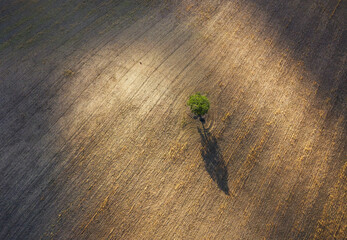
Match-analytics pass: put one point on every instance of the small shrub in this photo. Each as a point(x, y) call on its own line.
point(68, 73)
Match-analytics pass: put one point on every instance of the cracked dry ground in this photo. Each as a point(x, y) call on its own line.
point(96, 141)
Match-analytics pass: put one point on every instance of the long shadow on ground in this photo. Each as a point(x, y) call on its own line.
point(213, 159)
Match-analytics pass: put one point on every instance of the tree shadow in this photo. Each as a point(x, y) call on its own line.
point(213, 159)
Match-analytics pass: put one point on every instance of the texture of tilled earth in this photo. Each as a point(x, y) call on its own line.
point(96, 140)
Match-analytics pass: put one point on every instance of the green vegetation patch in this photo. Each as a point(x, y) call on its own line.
point(199, 104)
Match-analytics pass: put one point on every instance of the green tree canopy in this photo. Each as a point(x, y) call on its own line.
point(198, 104)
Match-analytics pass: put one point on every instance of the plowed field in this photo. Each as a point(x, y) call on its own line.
point(96, 140)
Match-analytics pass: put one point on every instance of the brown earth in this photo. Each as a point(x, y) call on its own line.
point(96, 141)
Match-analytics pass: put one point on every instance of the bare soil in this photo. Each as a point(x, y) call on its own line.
point(97, 142)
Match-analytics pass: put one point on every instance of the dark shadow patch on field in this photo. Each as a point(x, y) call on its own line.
point(213, 159)
point(315, 34)
point(36, 168)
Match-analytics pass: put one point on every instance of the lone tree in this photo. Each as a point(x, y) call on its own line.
point(198, 104)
